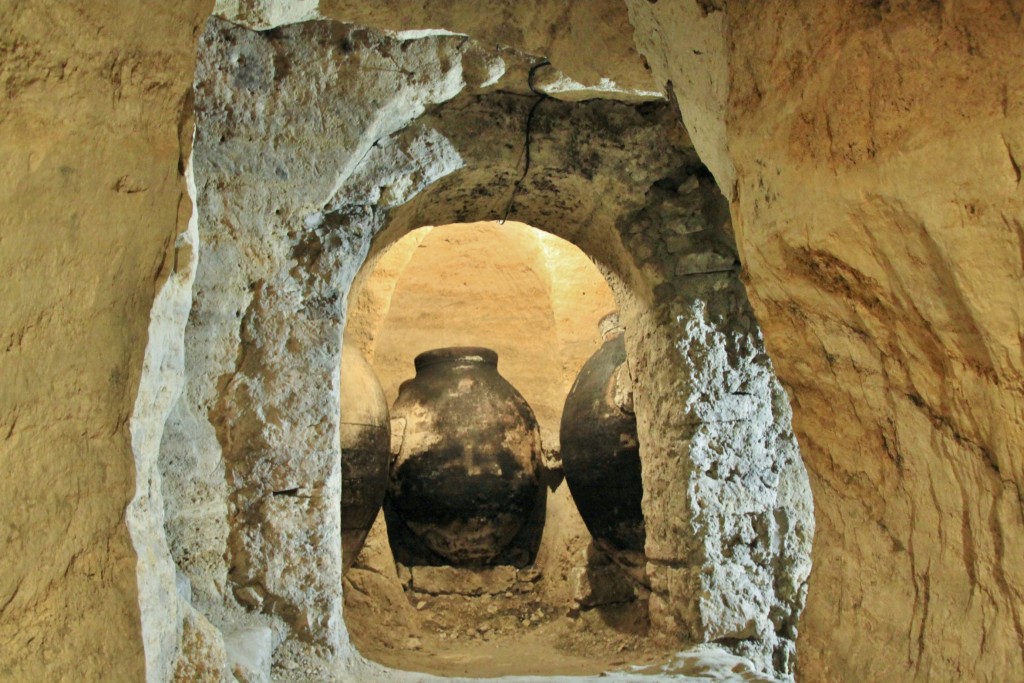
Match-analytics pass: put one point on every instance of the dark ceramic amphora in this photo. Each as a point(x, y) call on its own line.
point(464, 479)
point(365, 451)
point(600, 449)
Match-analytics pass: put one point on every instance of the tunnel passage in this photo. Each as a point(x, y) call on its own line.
point(314, 152)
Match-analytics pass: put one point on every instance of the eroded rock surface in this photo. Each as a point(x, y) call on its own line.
point(94, 135)
point(588, 42)
point(875, 151)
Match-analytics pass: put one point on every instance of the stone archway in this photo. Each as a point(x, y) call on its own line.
point(912, 441)
point(291, 197)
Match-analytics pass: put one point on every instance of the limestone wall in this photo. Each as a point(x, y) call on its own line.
point(94, 131)
point(588, 41)
point(875, 153)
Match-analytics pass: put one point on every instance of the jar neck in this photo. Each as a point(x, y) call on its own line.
point(457, 355)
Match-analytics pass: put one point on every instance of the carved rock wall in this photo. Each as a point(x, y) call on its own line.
point(588, 41)
point(94, 133)
point(875, 152)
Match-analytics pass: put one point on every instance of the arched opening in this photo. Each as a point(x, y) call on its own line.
point(552, 601)
point(293, 198)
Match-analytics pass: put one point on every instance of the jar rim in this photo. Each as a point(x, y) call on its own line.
point(457, 354)
point(609, 326)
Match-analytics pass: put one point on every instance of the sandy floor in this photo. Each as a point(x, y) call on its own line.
point(508, 634)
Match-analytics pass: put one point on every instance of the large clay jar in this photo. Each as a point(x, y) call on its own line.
point(600, 449)
point(464, 478)
point(365, 451)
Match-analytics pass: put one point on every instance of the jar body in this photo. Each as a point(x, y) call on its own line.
point(365, 451)
point(464, 479)
point(601, 451)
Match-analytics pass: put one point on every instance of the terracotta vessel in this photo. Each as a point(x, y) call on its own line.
point(464, 479)
point(365, 451)
point(600, 449)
